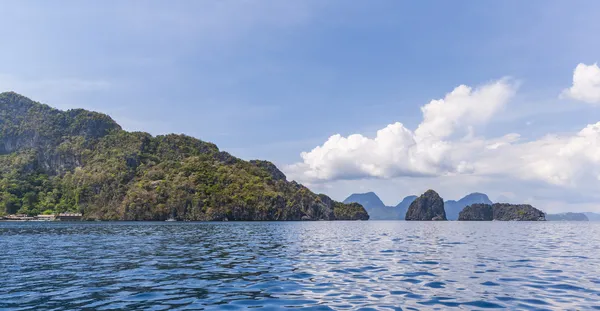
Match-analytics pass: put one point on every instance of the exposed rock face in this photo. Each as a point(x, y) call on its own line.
point(501, 212)
point(453, 208)
point(429, 206)
point(567, 217)
point(521, 212)
point(478, 212)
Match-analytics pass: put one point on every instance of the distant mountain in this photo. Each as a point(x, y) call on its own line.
point(592, 216)
point(453, 208)
point(368, 200)
point(374, 206)
point(378, 210)
point(403, 206)
point(567, 217)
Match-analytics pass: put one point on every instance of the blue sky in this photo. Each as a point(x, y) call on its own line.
point(272, 79)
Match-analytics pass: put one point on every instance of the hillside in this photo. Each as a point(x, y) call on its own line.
point(80, 161)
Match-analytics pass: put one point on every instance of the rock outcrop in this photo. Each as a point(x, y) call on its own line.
point(477, 212)
point(429, 206)
point(501, 212)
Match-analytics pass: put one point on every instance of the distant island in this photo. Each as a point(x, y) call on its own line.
point(430, 206)
point(567, 217)
point(379, 211)
point(54, 162)
point(502, 212)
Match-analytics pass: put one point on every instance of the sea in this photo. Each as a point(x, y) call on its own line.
point(355, 265)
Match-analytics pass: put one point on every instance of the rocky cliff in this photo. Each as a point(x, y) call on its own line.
point(501, 212)
point(81, 161)
point(429, 206)
point(477, 212)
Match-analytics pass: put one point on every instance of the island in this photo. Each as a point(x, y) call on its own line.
point(54, 162)
point(501, 212)
point(429, 206)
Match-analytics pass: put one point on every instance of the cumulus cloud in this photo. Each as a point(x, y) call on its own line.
point(444, 144)
point(586, 84)
point(445, 148)
point(398, 151)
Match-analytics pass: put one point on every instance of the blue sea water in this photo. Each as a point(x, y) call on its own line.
point(374, 265)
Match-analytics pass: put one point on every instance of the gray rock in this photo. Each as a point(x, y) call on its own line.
point(501, 212)
point(477, 212)
point(429, 206)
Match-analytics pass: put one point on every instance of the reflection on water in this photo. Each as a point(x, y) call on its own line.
point(314, 265)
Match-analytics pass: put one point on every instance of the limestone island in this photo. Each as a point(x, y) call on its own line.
point(81, 162)
point(429, 206)
point(501, 212)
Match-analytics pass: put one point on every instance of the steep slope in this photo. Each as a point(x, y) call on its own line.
point(453, 208)
point(55, 161)
point(429, 206)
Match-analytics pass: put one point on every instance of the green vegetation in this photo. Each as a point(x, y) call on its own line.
point(53, 161)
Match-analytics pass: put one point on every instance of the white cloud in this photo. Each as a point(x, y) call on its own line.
point(586, 84)
point(445, 144)
point(398, 151)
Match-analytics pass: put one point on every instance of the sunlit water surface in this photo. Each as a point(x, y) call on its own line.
point(374, 265)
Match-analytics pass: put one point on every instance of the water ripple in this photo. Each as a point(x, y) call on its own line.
point(373, 265)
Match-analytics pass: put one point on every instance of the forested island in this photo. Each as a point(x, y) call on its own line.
point(79, 161)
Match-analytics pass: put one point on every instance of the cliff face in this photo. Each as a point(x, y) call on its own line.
point(429, 206)
point(82, 161)
point(478, 212)
point(501, 212)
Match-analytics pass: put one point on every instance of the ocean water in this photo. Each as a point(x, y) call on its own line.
point(373, 265)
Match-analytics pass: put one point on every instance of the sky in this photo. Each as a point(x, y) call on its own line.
point(394, 97)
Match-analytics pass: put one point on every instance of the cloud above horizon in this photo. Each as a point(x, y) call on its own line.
point(586, 84)
point(445, 143)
